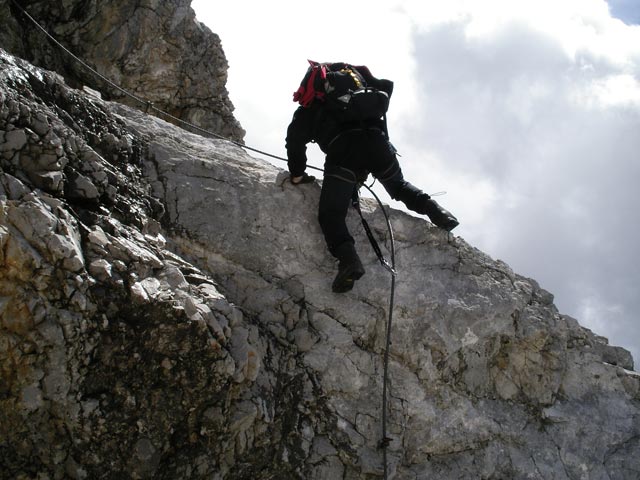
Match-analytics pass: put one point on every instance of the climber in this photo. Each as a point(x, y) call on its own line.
point(354, 144)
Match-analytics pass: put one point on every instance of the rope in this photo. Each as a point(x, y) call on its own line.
point(384, 442)
point(81, 62)
point(149, 106)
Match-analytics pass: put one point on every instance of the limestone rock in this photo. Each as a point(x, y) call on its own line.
point(155, 49)
point(177, 324)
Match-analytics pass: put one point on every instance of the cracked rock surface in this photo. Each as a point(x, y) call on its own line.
point(163, 315)
point(155, 49)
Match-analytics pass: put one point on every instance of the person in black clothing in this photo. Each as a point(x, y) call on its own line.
point(352, 152)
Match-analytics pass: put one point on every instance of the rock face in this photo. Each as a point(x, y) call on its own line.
point(155, 49)
point(162, 316)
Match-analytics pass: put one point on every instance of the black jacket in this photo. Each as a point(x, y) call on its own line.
point(319, 124)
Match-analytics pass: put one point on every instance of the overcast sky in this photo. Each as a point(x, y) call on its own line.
point(527, 113)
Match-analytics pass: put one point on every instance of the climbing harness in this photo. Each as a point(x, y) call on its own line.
point(390, 266)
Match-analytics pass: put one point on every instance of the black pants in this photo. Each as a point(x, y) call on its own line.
point(349, 161)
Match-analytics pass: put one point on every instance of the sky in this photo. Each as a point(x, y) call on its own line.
point(526, 113)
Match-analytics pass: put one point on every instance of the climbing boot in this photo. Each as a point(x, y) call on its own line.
point(350, 268)
point(439, 216)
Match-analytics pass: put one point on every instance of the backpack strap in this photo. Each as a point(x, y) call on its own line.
point(311, 85)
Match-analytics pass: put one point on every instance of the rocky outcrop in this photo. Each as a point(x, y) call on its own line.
point(165, 313)
point(154, 49)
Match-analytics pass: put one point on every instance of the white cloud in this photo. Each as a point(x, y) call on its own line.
point(620, 89)
point(527, 113)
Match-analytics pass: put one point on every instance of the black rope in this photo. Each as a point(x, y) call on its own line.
point(149, 106)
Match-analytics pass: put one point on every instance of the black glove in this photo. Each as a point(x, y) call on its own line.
point(305, 179)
